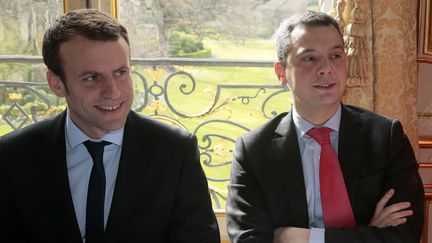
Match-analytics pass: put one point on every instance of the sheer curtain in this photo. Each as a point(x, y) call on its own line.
point(327, 5)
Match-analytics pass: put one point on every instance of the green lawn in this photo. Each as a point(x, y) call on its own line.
point(252, 50)
point(5, 129)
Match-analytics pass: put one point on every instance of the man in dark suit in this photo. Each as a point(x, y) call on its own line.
point(275, 192)
point(153, 187)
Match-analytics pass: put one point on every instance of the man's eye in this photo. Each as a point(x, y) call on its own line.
point(336, 56)
point(92, 77)
point(309, 59)
point(120, 73)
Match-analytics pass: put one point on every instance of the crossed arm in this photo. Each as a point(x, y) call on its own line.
point(393, 215)
point(249, 218)
point(258, 204)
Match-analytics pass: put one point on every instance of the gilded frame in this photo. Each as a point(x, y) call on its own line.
point(108, 6)
point(425, 31)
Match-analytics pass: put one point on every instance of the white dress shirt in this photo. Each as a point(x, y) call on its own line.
point(79, 165)
point(310, 155)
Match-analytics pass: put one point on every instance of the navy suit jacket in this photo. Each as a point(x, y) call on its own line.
point(267, 188)
point(161, 192)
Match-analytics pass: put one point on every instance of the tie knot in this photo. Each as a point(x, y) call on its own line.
point(320, 134)
point(95, 148)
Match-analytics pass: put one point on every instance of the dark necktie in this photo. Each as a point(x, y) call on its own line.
point(336, 206)
point(96, 194)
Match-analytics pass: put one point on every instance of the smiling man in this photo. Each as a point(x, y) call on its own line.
point(99, 172)
point(325, 171)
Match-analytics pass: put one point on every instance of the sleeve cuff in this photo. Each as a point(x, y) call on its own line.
point(316, 235)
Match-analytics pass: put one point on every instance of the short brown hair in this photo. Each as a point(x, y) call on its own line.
point(88, 23)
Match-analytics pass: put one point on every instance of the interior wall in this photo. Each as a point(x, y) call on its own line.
point(424, 109)
point(396, 76)
point(390, 39)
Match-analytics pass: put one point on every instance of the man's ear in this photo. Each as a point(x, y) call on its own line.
point(280, 73)
point(56, 84)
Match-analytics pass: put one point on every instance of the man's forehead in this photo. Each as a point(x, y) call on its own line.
point(302, 29)
point(327, 34)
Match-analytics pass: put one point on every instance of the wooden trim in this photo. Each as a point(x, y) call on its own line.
point(424, 30)
point(428, 191)
point(424, 115)
point(427, 205)
point(423, 60)
point(221, 218)
point(425, 142)
point(427, 166)
point(425, 234)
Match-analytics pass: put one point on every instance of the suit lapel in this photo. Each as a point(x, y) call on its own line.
point(286, 152)
point(129, 177)
point(288, 165)
point(60, 202)
point(351, 137)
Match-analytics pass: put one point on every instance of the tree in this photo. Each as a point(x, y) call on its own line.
point(151, 21)
point(23, 23)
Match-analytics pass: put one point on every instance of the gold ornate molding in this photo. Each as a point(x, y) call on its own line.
point(356, 47)
point(354, 19)
point(381, 65)
point(338, 14)
point(425, 31)
point(107, 6)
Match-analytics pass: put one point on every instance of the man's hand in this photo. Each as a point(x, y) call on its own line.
point(291, 235)
point(392, 215)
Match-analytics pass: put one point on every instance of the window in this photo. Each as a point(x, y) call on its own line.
point(203, 65)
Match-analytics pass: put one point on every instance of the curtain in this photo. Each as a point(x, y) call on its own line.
point(380, 38)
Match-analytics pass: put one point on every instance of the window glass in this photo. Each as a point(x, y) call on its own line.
point(202, 65)
point(23, 22)
point(203, 28)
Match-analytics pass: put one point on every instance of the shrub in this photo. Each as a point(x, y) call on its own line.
point(182, 44)
point(198, 54)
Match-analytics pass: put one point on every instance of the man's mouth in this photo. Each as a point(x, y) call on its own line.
point(324, 86)
point(108, 107)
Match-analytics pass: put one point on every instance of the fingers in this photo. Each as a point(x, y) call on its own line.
point(394, 218)
point(392, 215)
point(384, 200)
point(394, 211)
point(397, 222)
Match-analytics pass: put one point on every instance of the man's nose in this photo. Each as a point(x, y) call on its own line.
point(110, 88)
point(325, 66)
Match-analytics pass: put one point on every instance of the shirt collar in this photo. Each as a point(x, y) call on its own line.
point(302, 126)
point(75, 137)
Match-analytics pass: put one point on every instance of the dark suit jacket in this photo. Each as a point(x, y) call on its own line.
point(161, 192)
point(267, 188)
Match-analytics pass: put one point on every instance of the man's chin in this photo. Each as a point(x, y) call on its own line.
point(110, 126)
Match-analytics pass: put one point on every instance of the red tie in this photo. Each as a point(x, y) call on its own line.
point(335, 203)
